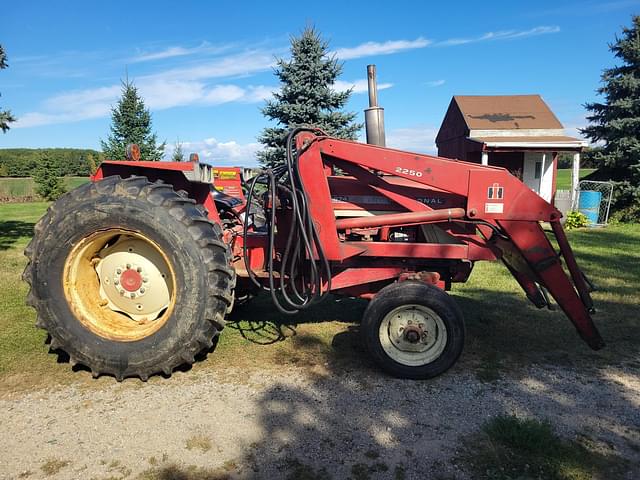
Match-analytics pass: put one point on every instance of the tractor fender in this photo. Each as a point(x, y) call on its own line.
point(194, 178)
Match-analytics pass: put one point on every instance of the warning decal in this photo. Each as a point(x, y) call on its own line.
point(493, 207)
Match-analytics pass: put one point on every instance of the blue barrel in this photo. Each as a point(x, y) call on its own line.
point(589, 204)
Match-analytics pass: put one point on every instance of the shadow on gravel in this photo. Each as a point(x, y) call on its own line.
point(12, 230)
point(357, 423)
point(260, 322)
point(349, 420)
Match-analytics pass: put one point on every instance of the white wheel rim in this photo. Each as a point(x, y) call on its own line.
point(119, 284)
point(413, 335)
point(144, 299)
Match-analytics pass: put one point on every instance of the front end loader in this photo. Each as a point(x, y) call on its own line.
point(133, 274)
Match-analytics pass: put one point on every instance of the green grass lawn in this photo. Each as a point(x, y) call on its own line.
point(563, 180)
point(17, 189)
point(503, 330)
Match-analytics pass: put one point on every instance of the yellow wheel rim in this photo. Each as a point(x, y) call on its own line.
point(119, 284)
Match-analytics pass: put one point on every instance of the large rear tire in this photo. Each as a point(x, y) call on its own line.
point(129, 277)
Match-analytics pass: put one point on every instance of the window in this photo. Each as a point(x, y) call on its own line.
point(538, 170)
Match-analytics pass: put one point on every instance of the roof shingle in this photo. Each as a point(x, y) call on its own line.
point(506, 112)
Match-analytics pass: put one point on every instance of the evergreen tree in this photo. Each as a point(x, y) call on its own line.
point(49, 184)
point(5, 115)
point(131, 123)
point(178, 154)
point(306, 97)
point(616, 121)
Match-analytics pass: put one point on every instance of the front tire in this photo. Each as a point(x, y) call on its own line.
point(128, 277)
point(413, 330)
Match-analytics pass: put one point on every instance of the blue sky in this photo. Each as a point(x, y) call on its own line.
point(205, 68)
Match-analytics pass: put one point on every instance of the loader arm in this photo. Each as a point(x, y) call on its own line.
point(506, 211)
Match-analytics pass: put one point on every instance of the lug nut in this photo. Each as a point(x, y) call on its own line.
point(139, 269)
point(128, 266)
point(142, 290)
point(118, 271)
point(133, 295)
point(145, 280)
point(116, 282)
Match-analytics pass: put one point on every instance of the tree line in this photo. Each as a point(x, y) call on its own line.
point(23, 162)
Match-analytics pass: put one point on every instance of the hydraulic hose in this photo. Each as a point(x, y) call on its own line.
point(301, 277)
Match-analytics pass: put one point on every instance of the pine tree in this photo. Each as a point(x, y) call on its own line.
point(616, 121)
point(178, 154)
point(306, 97)
point(5, 115)
point(131, 123)
point(49, 184)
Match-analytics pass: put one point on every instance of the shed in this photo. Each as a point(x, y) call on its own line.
point(517, 132)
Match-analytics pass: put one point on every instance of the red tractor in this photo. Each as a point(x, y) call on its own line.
point(133, 273)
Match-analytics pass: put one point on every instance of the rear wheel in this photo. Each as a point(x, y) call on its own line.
point(413, 330)
point(129, 277)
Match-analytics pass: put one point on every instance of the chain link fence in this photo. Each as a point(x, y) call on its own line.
point(594, 200)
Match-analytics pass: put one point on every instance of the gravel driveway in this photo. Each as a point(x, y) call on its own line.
point(295, 422)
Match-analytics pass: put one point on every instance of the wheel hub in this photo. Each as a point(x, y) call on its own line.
point(133, 279)
point(413, 334)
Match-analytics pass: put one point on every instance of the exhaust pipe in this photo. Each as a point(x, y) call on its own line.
point(374, 115)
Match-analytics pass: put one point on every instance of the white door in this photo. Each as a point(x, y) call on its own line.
point(537, 173)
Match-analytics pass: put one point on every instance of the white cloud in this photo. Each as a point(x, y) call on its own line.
point(72, 107)
point(191, 85)
point(258, 93)
point(230, 153)
point(167, 53)
point(162, 94)
point(359, 86)
point(501, 35)
point(435, 83)
point(418, 138)
point(369, 49)
point(176, 51)
point(78, 98)
point(245, 63)
point(158, 94)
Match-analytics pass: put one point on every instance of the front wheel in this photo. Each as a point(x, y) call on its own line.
point(413, 330)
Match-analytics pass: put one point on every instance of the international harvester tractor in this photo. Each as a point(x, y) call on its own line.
point(133, 273)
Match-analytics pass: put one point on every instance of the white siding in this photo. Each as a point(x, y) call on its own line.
point(537, 173)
